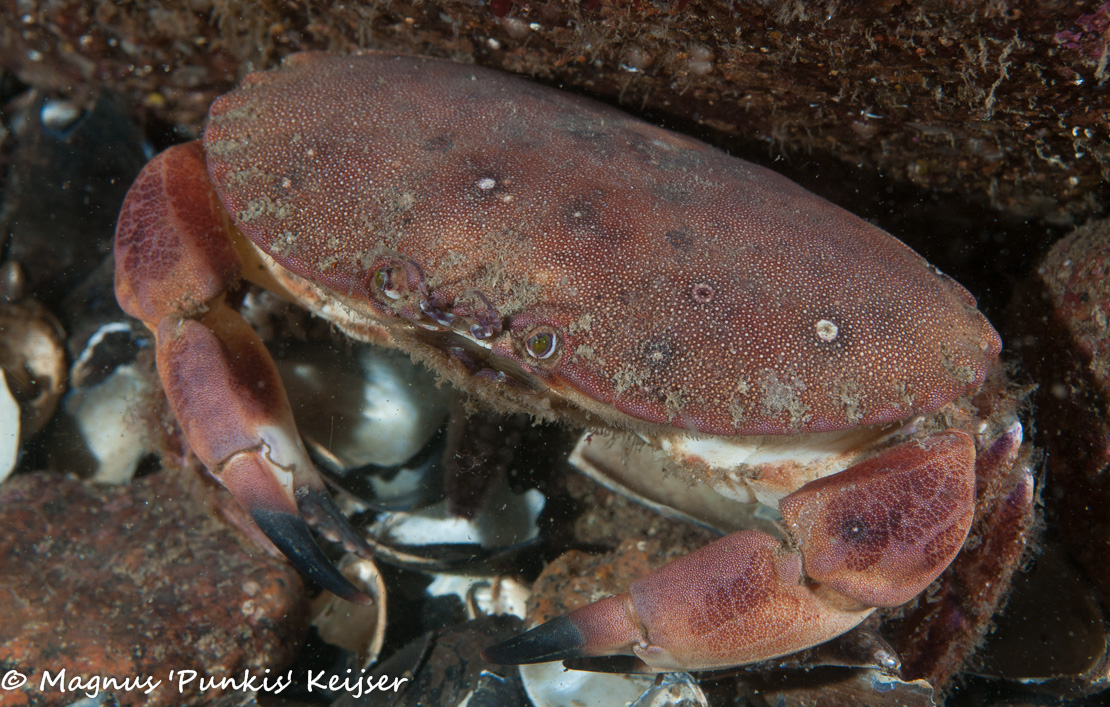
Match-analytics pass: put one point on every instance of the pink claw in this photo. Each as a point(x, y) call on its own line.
point(174, 262)
point(874, 535)
point(884, 529)
point(737, 600)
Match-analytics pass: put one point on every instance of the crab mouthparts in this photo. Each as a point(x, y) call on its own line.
point(479, 357)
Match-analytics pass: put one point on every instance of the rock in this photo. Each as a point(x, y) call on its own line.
point(133, 582)
point(1065, 342)
point(966, 103)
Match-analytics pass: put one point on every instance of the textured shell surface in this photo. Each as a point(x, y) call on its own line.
point(679, 285)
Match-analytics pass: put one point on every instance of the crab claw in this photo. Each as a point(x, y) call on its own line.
point(884, 529)
point(254, 487)
point(737, 600)
point(226, 393)
point(174, 261)
point(874, 535)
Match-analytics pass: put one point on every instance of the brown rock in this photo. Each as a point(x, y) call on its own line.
point(1003, 104)
point(636, 541)
point(1065, 337)
point(130, 583)
point(577, 578)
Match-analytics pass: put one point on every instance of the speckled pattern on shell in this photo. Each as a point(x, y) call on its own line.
point(688, 287)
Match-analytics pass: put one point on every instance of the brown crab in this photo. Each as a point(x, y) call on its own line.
point(551, 255)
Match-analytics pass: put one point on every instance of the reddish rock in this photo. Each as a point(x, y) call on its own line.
point(635, 541)
point(132, 582)
point(1064, 330)
point(577, 578)
point(1003, 104)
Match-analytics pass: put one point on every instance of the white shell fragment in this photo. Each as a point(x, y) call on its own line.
point(673, 690)
point(509, 519)
point(381, 409)
point(552, 685)
point(484, 596)
point(32, 354)
point(113, 429)
point(9, 429)
point(359, 629)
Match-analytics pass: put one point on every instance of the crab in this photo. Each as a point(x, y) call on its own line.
point(550, 255)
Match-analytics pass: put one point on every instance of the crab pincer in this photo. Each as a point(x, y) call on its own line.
point(874, 535)
point(174, 264)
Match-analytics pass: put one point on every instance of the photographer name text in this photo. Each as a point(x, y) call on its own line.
point(193, 681)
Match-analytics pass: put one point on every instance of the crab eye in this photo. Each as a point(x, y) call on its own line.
point(383, 282)
point(380, 279)
point(542, 344)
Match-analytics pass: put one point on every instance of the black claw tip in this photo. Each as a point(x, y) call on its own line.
point(557, 639)
point(320, 510)
point(291, 535)
point(619, 664)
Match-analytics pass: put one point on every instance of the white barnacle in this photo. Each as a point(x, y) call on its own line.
point(486, 183)
point(826, 330)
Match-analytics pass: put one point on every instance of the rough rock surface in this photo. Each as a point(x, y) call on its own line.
point(88, 569)
point(1001, 101)
point(1065, 342)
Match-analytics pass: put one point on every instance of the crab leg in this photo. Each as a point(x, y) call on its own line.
point(174, 262)
point(873, 535)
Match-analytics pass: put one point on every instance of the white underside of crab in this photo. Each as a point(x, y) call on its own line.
point(765, 468)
